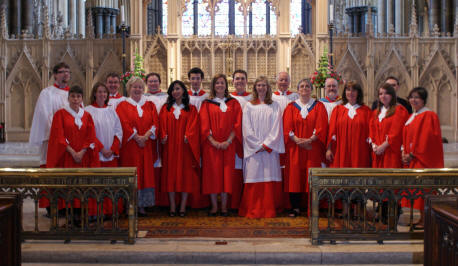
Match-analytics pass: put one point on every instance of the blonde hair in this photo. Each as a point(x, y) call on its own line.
point(132, 81)
point(268, 99)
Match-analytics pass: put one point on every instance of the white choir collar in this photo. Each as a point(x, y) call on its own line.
point(414, 114)
point(305, 107)
point(138, 104)
point(222, 103)
point(382, 114)
point(77, 116)
point(352, 109)
point(177, 110)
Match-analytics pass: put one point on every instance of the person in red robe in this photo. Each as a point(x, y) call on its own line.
point(108, 131)
point(305, 129)
point(386, 125)
point(422, 142)
point(73, 142)
point(179, 135)
point(220, 122)
point(239, 80)
point(349, 129)
point(139, 121)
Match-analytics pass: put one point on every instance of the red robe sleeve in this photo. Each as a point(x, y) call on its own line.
point(321, 124)
point(332, 125)
point(57, 144)
point(373, 126)
point(115, 145)
point(394, 135)
point(162, 123)
point(192, 133)
point(92, 144)
point(204, 122)
point(427, 146)
point(288, 123)
point(238, 128)
point(126, 123)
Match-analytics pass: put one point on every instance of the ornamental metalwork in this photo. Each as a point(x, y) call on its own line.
point(362, 193)
point(69, 184)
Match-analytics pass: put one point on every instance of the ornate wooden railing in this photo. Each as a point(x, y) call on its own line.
point(67, 184)
point(361, 193)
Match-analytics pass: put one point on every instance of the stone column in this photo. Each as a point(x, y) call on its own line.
point(81, 18)
point(107, 20)
point(27, 15)
point(434, 13)
point(98, 12)
point(389, 14)
point(381, 10)
point(445, 16)
point(73, 16)
point(231, 17)
point(398, 17)
point(63, 8)
point(15, 11)
point(113, 14)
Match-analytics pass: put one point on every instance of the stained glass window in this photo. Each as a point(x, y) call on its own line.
point(239, 20)
point(222, 18)
point(295, 18)
point(204, 20)
point(187, 20)
point(164, 17)
point(259, 18)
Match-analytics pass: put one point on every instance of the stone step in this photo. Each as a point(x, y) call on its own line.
point(222, 251)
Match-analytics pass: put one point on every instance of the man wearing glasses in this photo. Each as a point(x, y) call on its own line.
point(50, 100)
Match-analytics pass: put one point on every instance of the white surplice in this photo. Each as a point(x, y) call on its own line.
point(262, 125)
point(284, 100)
point(159, 99)
point(243, 100)
point(50, 100)
point(197, 100)
point(330, 106)
point(107, 127)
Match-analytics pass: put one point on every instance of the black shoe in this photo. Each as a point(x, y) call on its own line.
point(142, 214)
point(172, 213)
point(225, 214)
point(182, 214)
point(212, 214)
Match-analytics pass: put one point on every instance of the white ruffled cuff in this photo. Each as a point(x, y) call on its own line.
point(133, 134)
point(153, 132)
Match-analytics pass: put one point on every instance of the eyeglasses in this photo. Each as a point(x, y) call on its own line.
point(64, 71)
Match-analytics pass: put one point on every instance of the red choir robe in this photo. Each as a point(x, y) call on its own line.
point(299, 160)
point(131, 154)
point(218, 166)
point(180, 171)
point(351, 137)
point(64, 132)
point(389, 128)
point(422, 137)
point(237, 182)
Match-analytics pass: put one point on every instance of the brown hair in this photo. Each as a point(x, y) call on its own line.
point(389, 90)
point(212, 88)
point(353, 85)
point(113, 75)
point(94, 91)
point(268, 99)
point(60, 65)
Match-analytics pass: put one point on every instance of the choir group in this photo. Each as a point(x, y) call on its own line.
point(251, 151)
